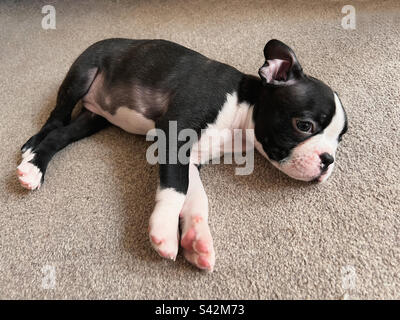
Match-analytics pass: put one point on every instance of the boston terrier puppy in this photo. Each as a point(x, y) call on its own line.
point(139, 85)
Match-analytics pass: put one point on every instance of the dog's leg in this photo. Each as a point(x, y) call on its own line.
point(75, 85)
point(196, 237)
point(34, 163)
point(164, 221)
point(171, 194)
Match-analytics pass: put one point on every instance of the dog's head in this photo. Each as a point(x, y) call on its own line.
point(299, 120)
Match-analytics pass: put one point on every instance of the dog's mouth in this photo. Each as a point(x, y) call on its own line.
point(317, 179)
point(322, 176)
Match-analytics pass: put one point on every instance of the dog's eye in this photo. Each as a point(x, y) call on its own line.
point(304, 126)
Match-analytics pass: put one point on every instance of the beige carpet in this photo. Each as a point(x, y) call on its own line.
point(275, 237)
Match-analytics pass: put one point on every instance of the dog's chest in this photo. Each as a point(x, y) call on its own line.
point(227, 134)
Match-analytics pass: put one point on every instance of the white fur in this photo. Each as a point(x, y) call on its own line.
point(218, 137)
point(164, 221)
point(28, 155)
point(196, 201)
point(29, 175)
point(194, 218)
point(125, 118)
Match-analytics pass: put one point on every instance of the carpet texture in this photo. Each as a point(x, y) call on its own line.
point(274, 237)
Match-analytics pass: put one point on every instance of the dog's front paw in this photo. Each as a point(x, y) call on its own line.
point(164, 222)
point(164, 236)
point(197, 242)
point(29, 175)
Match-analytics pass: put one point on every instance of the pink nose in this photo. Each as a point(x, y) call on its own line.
point(326, 160)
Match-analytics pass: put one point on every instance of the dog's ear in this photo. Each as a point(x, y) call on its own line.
point(281, 67)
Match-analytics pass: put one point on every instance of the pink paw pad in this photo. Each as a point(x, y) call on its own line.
point(203, 262)
point(156, 240)
point(197, 243)
point(190, 243)
point(201, 246)
point(188, 238)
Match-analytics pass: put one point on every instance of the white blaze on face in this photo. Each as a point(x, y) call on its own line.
point(304, 162)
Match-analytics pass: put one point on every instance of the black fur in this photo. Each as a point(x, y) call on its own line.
point(86, 124)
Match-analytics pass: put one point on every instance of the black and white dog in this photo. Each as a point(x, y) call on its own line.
point(139, 85)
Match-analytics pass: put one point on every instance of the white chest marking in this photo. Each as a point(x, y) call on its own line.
point(219, 137)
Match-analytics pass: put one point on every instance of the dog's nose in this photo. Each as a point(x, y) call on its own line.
point(326, 160)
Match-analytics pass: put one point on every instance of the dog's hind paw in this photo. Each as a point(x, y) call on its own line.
point(29, 175)
point(197, 243)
